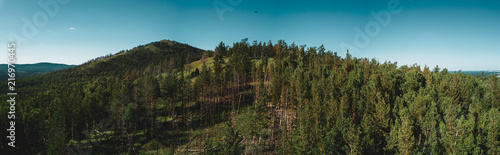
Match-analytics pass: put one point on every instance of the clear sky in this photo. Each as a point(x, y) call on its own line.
point(460, 34)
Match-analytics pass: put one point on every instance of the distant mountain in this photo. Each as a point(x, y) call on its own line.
point(27, 70)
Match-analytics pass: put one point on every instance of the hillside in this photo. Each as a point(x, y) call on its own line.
point(123, 62)
point(262, 98)
point(27, 70)
point(72, 81)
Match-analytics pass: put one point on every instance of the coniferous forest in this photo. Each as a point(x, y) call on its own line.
point(252, 97)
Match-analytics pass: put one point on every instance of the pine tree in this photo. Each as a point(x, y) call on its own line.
point(401, 139)
point(490, 131)
point(448, 128)
point(429, 126)
point(55, 128)
point(230, 139)
point(465, 135)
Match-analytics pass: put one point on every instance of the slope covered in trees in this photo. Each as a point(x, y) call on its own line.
point(258, 98)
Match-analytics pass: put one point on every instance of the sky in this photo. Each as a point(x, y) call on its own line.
point(458, 35)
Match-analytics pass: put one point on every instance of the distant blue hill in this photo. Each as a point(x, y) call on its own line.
point(27, 70)
point(486, 73)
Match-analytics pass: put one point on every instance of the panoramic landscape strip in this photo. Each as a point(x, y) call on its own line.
point(250, 77)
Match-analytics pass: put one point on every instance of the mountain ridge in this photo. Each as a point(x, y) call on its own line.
point(27, 70)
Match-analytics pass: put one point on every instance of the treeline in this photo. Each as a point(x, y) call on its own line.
point(331, 105)
point(256, 98)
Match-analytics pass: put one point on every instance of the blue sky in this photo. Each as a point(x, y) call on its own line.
point(462, 34)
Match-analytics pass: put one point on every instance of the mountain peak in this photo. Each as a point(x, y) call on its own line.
point(141, 56)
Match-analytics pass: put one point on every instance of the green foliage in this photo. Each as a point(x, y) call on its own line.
point(231, 139)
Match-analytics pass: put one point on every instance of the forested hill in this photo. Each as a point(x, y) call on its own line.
point(141, 56)
point(252, 98)
point(27, 70)
point(132, 61)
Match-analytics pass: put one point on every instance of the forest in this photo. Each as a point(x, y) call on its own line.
point(252, 97)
